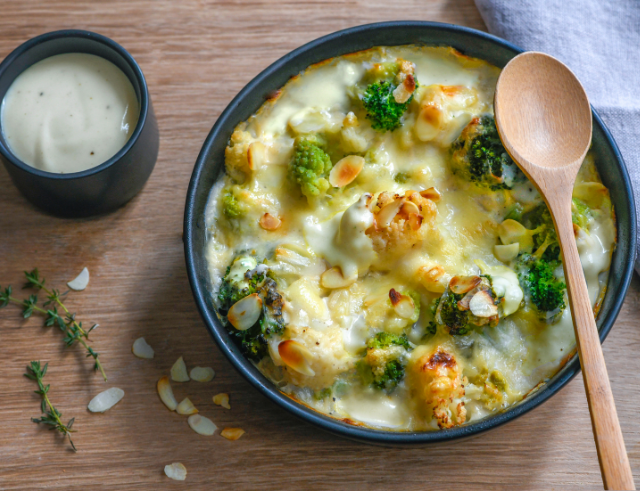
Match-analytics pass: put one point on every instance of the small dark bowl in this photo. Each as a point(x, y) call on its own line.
point(114, 182)
point(210, 166)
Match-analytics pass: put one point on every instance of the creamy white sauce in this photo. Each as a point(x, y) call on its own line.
point(69, 113)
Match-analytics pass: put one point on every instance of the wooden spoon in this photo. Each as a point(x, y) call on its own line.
point(544, 121)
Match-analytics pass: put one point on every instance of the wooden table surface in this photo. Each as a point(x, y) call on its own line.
point(197, 55)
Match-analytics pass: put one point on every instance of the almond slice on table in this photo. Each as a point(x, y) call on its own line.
point(222, 399)
point(202, 374)
point(81, 281)
point(176, 471)
point(186, 407)
point(201, 425)
point(232, 433)
point(141, 349)
point(166, 393)
point(179, 371)
point(106, 400)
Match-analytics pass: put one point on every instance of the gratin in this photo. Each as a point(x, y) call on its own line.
point(376, 253)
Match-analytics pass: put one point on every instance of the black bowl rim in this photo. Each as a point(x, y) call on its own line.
point(144, 100)
point(326, 422)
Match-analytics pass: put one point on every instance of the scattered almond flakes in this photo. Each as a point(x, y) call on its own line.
point(201, 425)
point(202, 374)
point(179, 371)
point(222, 399)
point(176, 471)
point(142, 349)
point(81, 282)
point(186, 407)
point(232, 433)
point(166, 393)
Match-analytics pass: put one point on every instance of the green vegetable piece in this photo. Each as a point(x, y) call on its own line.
point(382, 109)
point(310, 167)
point(537, 278)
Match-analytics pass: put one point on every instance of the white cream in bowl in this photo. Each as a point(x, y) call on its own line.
point(69, 113)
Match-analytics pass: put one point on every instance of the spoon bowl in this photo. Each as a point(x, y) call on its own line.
point(544, 120)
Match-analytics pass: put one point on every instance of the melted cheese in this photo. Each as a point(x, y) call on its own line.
point(496, 365)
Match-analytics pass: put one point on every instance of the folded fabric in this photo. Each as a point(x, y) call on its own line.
point(598, 40)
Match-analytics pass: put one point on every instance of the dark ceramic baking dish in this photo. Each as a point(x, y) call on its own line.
point(112, 183)
point(210, 166)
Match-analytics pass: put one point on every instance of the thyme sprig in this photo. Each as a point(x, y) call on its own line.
point(51, 416)
point(65, 320)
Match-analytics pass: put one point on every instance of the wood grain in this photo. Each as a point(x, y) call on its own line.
point(544, 119)
point(196, 56)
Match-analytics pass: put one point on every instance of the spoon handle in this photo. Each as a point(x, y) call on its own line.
point(612, 454)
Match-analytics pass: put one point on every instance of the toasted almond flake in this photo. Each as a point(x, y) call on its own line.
point(464, 284)
point(346, 170)
point(482, 305)
point(403, 92)
point(256, 155)
point(142, 349)
point(245, 313)
point(270, 222)
point(176, 471)
point(432, 193)
point(232, 433)
point(202, 374)
point(296, 356)
point(201, 425)
point(106, 400)
point(186, 407)
point(333, 278)
point(81, 281)
point(166, 393)
point(179, 371)
point(433, 278)
point(222, 399)
point(388, 212)
point(404, 305)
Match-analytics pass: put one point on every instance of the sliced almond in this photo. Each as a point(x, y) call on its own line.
point(403, 92)
point(296, 356)
point(201, 425)
point(179, 371)
point(404, 305)
point(256, 155)
point(482, 305)
point(186, 407)
point(232, 433)
point(409, 208)
point(388, 212)
point(506, 253)
point(346, 170)
point(222, 399)
point(463, 284)
point(433, 278)
point(106, 400)
point(166, 393)
point(81, 282)
point(202, 374)
point(141, 349)
point(333, 278)
point(270, 222)
point(432, 193)
point(176, 471)
point(246, 312)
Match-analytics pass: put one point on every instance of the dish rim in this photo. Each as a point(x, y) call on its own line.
point(140, 80)
point(325, 422)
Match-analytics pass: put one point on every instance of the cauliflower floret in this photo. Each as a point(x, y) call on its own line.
point(437, 384)
point(400, 223)
point(243, 156)
point(352, 138)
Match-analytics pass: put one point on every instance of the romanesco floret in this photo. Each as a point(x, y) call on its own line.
point(310, 167)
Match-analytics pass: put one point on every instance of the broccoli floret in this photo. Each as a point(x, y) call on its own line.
point(545, 239)
point(385, 339)
point(310, 167)
point(545, 290)
point(382, 109)
point(480, 156)
point(401, 177)
point(231, 207)
point(581, 214)
point(452, 311)
point(383, 365)
point(242, 279)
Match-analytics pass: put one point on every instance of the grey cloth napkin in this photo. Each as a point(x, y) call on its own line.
point(600, 41)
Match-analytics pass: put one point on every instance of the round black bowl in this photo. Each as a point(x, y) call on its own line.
point(112, 183)
point(210, 165)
